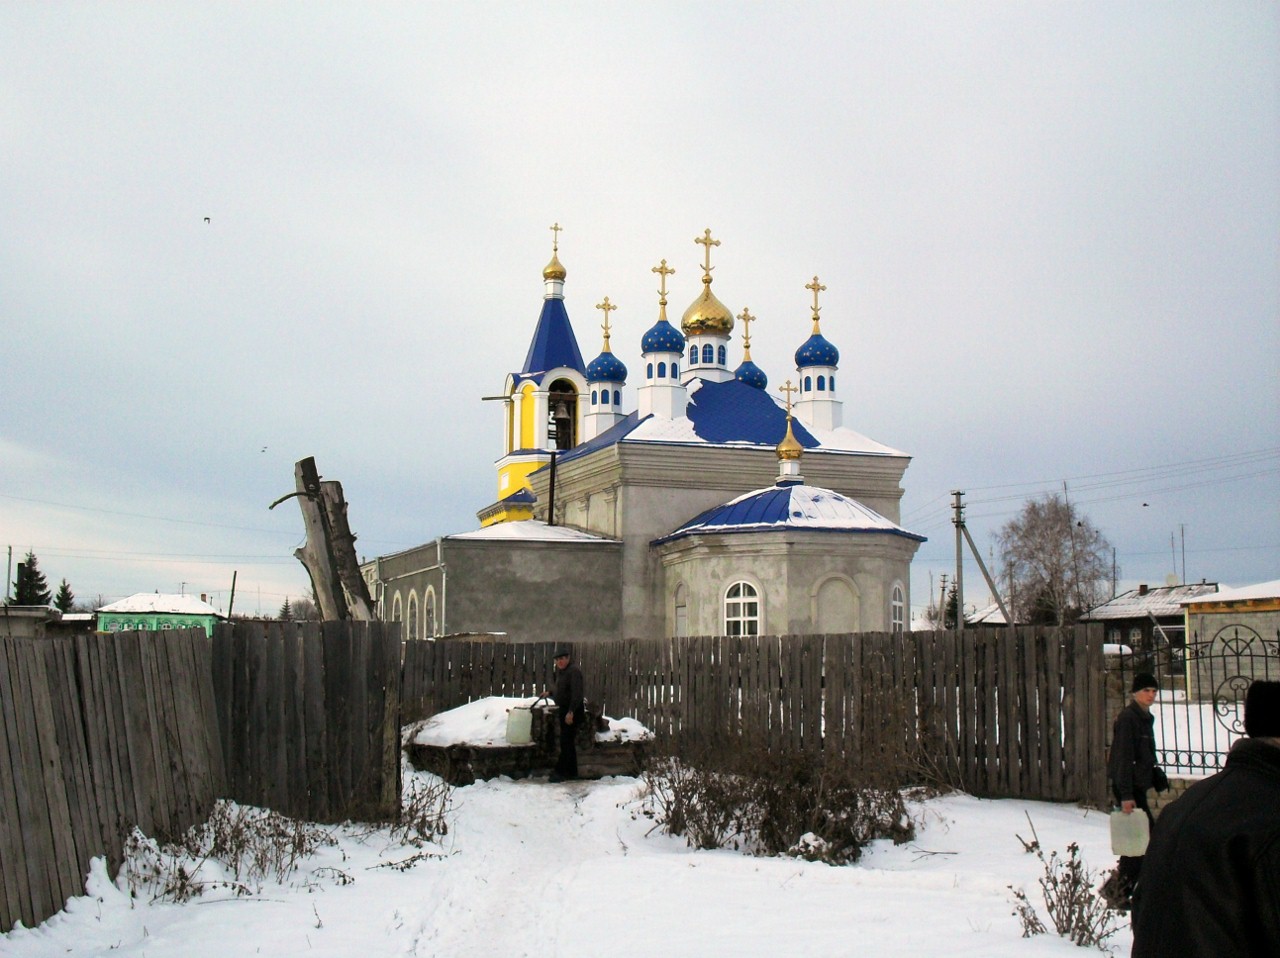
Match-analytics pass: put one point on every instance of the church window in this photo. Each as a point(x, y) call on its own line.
point(708, 354)
point(411, 625)
point(617, 397)
point(395, 608)
point(675, 370)
point(741, 610)
point(649, 371)
point(832, 383)
point(822, 384)
point(898, 609)
point(693, 355)
point(429, 612)
point(720, 355)
point(808, 384)
point(593, 397)
point(662, 370)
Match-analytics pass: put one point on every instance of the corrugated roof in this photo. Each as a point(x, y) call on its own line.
point(1160, 601)
point(1262, 590)
point(158, 602)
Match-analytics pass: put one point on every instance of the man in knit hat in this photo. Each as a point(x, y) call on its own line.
point(1132, 770)
point(1211, 884)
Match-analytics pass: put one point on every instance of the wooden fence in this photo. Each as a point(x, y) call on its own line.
point(101, 732)
point(308, 716)
point(98, 733)
point(997, 713)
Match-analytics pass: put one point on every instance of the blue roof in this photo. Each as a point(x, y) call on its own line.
point(662, 338)
point(606, 368)
point(736, 412)
point(752, 375)
point(817, 351)
point(791, 507)
point(553, 342)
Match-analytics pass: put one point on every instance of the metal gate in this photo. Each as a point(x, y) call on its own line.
point(1200, 709)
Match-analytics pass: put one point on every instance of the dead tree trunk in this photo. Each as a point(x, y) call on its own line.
point(329, 554)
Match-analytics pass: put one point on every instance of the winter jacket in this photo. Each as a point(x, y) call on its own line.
point(568, 691)
point(1211, 883)
point(1131, 767)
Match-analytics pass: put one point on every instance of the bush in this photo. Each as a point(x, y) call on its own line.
point(1075, 907)
point(774, 804)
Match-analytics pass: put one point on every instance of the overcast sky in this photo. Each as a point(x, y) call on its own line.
point(1050, 236)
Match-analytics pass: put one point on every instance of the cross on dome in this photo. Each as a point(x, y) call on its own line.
point(608, 307)
point(817, 288)
point(747, 319)
point(788, 389)
point(555, 236)
point(706, 241)
point(663, 270)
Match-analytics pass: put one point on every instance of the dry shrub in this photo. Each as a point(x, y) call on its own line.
point(774, 804)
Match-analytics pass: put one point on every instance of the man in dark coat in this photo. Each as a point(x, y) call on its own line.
point(568, 698)
point(1211, 885)
point(1132, 769)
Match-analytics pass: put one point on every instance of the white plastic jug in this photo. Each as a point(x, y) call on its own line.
point(1129, 833)
point(519, 726)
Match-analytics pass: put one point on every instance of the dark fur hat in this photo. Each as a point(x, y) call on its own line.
point(1144, 680)
point(1262, 710)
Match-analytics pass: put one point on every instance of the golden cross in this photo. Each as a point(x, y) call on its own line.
point(608, 307)
point(817, 288)
point(747, 320)
point(706, 240)
point(663, 271)
point(788, 389)
point(555, 237)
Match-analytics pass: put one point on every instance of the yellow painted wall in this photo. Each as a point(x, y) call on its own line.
point(527, 417)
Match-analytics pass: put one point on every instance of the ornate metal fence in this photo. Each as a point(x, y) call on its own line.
point(1200, 709)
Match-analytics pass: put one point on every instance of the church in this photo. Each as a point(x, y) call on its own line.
point(713, 506)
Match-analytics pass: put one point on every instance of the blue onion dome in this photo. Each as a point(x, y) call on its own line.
point(662, 338)
point(751, 374)
point(817, 351)
point(606, 368)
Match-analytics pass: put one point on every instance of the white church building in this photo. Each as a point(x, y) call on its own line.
point(714, 505)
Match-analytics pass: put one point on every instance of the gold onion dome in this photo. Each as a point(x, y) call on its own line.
point(554, 270)
point(789, 449)
point(707, 314)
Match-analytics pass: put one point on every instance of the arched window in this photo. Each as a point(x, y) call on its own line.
point(720, 355)
point(822, 384)
point(649, 371)
point(708, 354)
point(429, 612)
point(593, 397)
point(741, 610)
point(832, 383)
point(693, 355)
point(395, 608)
point(662, 370)
point(898, 609)
point(675, 370)
point(808, 383)
point(411, 625)
point(617, 397)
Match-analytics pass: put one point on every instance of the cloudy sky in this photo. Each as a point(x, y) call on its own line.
point(235, 235)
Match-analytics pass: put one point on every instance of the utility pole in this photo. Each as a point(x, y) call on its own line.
point(8, 576)
point(959, 521)
point(962, 533)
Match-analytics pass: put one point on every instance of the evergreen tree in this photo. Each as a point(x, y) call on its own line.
point(65, 599)
point(286, 611)
point(30, 588)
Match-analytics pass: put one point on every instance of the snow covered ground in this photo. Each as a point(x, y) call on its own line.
point(530, 868)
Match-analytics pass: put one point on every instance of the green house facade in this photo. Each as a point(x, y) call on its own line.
point(154, 612)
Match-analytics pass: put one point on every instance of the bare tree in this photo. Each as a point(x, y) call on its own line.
point(1058, 562)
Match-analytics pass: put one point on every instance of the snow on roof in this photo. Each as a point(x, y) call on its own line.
point(786, 507)
point(730, 414)
point(484, 722)
point(159, 602)
point(530, 530)
point(989, 615)
point(1141, 602)
point(1263, 590)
